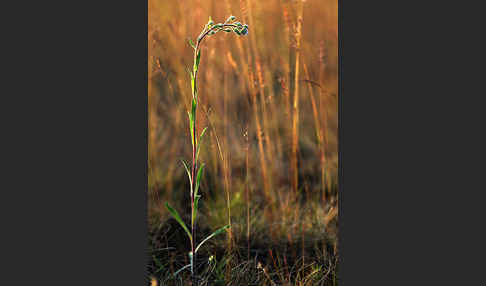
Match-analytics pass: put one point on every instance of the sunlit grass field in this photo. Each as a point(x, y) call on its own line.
point(270, 102)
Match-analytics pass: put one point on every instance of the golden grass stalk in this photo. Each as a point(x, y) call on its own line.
point(247, 7)
point(319, 132)
point(295, 116)
point(324, 131)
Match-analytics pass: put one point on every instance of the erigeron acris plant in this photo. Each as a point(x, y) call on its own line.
point(210, 29)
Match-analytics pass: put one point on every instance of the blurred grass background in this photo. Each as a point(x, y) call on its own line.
point(247, 91)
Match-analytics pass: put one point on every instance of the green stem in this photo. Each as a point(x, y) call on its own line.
point(201, 37)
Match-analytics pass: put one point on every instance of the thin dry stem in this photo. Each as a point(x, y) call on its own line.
point(295, 119)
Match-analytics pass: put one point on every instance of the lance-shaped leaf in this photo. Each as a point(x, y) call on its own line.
point(193, 111)
point(191, 126)
point(194, 213)
point(191, 43)
point(193, 119)
point(196, 196)
point(199, 143)
point(202, 133)
point(177, 217)
point(198, 59)
point(188, 172)
point(198, 179)
point(213, 234)
point(193, 84)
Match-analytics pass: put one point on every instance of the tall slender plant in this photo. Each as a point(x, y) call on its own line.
point(209, 29)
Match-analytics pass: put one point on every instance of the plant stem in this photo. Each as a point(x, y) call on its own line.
point(193, 182)
point(201, 37)
point(319, 132)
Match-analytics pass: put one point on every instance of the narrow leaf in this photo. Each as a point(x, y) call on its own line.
point(177, 217)
point(199, 143)
point(188, 172)
point(192, 84)
point(213, 234)
point(193, 116)
point(196, 204)
point(197, 150)
point(198, 179)
point(198, 59)
point(202, 133)
point(196, 196)
point(191, 126)
point(191, 43)
point(194, 104)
